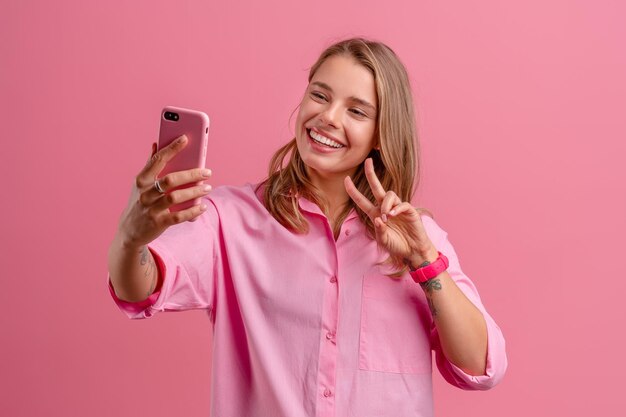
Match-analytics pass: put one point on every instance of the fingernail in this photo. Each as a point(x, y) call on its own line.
point(206, 172)
point(181, 139)
point(384, 217)
point(392, 212)
point(203, 207)
point(206, 188)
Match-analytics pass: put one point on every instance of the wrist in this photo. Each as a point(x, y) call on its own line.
point(430, 270)
point(418, 259)
point(127, 244)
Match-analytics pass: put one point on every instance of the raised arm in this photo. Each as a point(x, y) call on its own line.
point(133, 272)
point(399, 229)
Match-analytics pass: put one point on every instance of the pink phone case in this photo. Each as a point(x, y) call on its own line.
point(176, 121)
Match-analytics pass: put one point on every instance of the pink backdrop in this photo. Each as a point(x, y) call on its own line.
point(522, 120)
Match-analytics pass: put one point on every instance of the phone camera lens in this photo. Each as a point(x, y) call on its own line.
point(168, 115)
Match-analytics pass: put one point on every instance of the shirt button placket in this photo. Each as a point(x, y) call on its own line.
point(328, 350)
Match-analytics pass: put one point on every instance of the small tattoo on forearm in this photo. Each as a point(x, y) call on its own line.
point(430, 286)
point(145, 256)
point(148, 261)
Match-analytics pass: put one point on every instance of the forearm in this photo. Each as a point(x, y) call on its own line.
point(133, 271)
point(461, 326)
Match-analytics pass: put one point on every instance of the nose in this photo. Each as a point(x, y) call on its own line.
point(330, 116)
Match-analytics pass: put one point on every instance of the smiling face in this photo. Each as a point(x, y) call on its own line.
point(336, 121)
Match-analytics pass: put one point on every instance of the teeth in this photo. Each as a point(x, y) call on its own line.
point(324, 140)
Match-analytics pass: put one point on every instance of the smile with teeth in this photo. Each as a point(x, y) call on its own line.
point(324, 140)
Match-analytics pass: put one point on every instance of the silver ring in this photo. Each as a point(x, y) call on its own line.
point(157, 185)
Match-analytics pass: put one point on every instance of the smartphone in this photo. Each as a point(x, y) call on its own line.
point(176, 121)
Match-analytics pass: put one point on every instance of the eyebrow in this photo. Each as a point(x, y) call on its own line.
point(353, 98)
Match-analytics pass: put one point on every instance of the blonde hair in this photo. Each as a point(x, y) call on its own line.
point(395, 164)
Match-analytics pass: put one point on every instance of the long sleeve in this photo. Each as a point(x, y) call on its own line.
point(496, 352)
point(187, 256)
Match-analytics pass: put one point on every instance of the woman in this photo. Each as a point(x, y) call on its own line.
point(311, 277)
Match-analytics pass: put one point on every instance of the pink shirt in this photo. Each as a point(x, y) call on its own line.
point(304, 325)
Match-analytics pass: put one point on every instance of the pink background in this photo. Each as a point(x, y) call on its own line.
point(522, 120)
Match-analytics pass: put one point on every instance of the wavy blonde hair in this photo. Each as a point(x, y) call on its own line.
point(396, 163)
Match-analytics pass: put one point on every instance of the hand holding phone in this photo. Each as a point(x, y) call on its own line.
point(149, 212)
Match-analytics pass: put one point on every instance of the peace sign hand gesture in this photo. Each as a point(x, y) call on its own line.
point(397, 223)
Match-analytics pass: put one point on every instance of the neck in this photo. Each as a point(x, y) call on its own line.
point(333, 189)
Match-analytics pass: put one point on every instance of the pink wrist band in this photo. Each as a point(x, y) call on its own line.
point(430, 271)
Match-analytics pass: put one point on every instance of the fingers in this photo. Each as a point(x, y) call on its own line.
point(414, 217)
point(159, 159)
point(180, 196)
point(163, 220)
point(377, 189)
point(176, 179)
point(358, 198)
point(171, 181)
point(401, 208)
point(372, 179)
point(382, 230)
point(189, 214)
point(390, 201)
point(161, 215)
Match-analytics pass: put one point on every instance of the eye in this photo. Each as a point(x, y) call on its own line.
point(317, 95)
point(358, 112)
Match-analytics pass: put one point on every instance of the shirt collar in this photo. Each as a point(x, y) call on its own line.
point(310, 207)
point(305, 204)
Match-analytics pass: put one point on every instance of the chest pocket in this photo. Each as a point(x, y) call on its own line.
point(395, 325)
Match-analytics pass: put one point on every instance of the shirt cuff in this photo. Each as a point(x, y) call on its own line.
point(141, 309)
point(495, 367)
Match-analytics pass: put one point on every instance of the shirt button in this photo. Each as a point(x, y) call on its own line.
point(333, 279)
point(347, 232)
point(327, 392)
point(330, 335)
